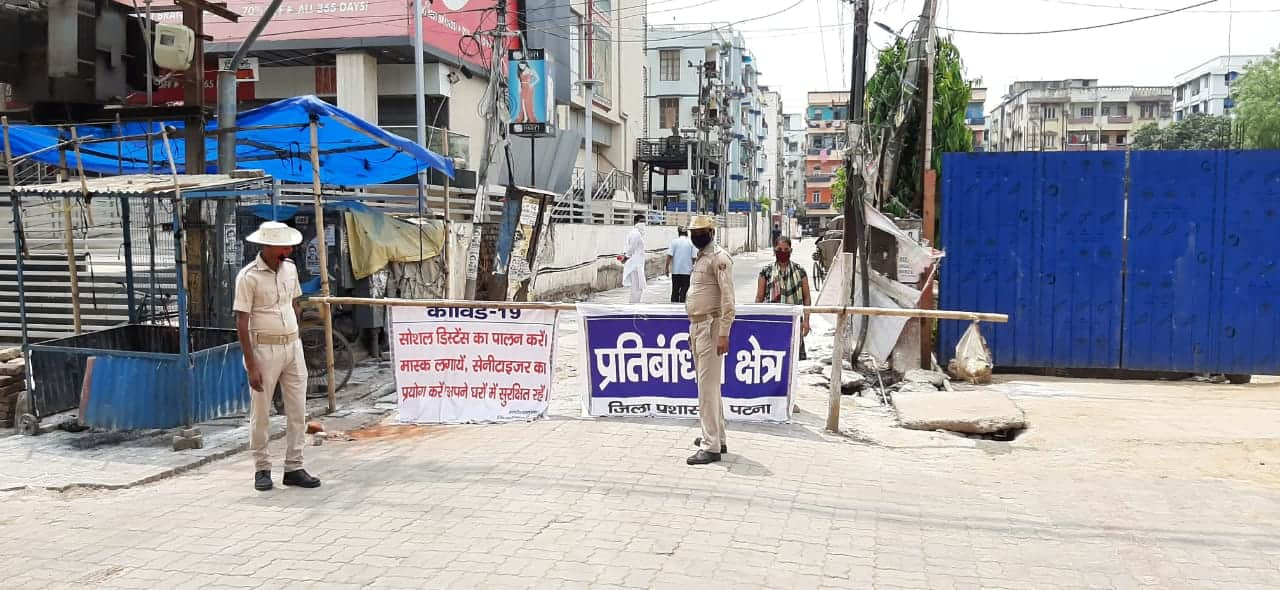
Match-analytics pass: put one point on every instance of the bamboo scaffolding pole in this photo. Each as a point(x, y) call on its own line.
point(68, 234)
point(84, 186)
point(322, 246)
point(937, 314)
point(179, 247)
point(13, 188)
point(447, 224)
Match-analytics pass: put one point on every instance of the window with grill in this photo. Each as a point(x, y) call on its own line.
point(669, 65)
point(669, 113)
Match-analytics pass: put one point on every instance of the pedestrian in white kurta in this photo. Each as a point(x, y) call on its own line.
point(633, 261)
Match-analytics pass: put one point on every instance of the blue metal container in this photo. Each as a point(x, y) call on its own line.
point(137, 379)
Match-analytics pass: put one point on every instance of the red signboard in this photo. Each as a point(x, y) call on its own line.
point(445, 23)
point(169, 89)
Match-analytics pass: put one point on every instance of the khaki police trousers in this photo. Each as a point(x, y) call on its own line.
point(709, 365)
point(283, 364)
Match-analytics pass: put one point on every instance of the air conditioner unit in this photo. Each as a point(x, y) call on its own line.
point(175, 46)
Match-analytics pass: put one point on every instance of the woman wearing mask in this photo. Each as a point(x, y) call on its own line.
point(784, 282)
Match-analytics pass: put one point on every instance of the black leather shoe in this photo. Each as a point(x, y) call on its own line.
point(301, 479)
point(262, 480)
point(697, 442)
point(702, 458)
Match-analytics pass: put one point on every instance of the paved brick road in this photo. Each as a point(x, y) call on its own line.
point(571, 503)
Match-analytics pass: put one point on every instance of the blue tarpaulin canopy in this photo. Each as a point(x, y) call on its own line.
point(353, 152)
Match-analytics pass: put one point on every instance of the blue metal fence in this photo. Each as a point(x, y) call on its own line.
point(1039, 237)
point(1192, 286)
point(1203, 246)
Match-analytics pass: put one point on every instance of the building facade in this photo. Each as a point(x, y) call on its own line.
point(1074, 115)
point(974, 114)
point(792, 167)
point(359, 56)
point(1206, 88)
point(825, 142)
point(771, 160)
point(707, 81)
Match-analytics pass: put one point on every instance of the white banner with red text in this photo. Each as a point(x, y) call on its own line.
point(466, 365)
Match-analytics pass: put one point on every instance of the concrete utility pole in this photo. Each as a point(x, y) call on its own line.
point(929, 180)
point(492, 123)
point(855, 187)
point(916, 65)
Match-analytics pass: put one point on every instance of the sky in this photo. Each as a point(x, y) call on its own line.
point(796, 55)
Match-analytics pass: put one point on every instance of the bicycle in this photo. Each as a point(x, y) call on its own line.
point(311, 333)
point(819, 269)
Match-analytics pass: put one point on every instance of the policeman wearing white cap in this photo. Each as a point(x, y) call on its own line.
point(711, 310)
point(267, 310)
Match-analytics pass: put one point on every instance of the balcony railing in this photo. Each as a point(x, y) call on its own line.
point(666, 148)
point(1080, 121)
point(1120, 119)
point(459, 144)
point(818, 179)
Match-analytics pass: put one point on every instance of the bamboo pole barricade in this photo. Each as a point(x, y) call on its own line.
point(842, 314)
point(936, 314)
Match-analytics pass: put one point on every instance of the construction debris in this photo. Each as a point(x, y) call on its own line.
point(934, 378)
point(13, 382)
point(915, 387)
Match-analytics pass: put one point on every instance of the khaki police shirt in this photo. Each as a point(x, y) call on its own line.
point(711, 287)
point(267, 296)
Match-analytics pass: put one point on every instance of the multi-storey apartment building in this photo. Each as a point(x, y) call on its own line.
point(791, 174)
point(1206, 88)
point(974, 115)
point(825, 139)
point(709, 81)
point(1074, 114)
point(771, 158)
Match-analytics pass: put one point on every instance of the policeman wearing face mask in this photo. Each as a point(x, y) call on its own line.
point(711, 311)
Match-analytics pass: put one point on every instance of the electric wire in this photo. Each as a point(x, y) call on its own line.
point(1083, 28)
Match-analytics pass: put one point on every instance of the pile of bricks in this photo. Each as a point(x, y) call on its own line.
point(13, 375)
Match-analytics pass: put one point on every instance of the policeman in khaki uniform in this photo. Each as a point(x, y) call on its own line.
point(711, 311)
point(267, 310)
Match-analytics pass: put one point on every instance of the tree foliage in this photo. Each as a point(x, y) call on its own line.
point(884, 92)
point(1258, 99)
point(1197, 132)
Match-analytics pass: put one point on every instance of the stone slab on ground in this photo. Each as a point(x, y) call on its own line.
point(970, 412)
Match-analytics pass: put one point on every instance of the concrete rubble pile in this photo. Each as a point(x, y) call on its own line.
point(13, 382)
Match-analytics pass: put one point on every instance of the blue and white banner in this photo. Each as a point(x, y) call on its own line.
point(638, 362)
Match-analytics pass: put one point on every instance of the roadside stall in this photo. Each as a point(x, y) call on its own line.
point(162, 369)
point(159, 370)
